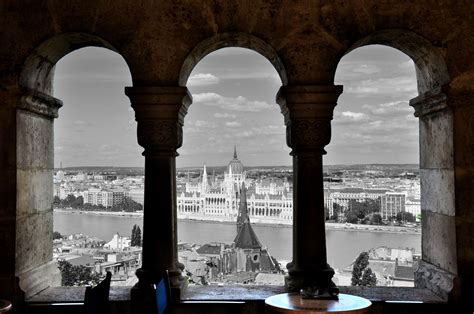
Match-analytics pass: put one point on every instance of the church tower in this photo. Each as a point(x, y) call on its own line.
point(242, 215)
point(204, 183)
point(246, 237)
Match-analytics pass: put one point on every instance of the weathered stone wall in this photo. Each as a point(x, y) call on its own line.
point(303, 39)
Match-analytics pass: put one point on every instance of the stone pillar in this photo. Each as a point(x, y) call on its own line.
point(159, 112)
point(438, 268)
point(308, 112)
point(34, 192)
point(462, 103)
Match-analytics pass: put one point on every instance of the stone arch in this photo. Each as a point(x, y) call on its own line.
point(36, 111)
point(38, 69)
point(225, 40)
point(436, 145)
point(431, 70)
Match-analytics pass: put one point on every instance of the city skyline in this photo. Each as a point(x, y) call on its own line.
point(233, 93)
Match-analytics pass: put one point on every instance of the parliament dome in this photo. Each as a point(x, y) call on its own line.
point(235, 165)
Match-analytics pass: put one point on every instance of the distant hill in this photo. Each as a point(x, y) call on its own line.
point(106, 169)
point(220, 169)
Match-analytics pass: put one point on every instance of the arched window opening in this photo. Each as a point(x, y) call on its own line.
point(235, 163)
point(372, 173)
point(98, 177)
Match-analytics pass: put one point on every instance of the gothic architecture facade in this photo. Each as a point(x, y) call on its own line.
point(218, 200)
point(162, 41)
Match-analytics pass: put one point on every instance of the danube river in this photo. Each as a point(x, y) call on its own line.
point(343, 245)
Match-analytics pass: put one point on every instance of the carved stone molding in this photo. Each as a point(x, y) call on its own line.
point(159, 112)
point(308, 101)
point(429, 103)
point(435, 279)
point(308, 133)
point(40, 103)
point(161, 102)
point(159, 135)
point(308, 111)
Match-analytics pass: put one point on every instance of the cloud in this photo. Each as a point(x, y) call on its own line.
point(224, 115)
point(390, 108)
point(366, 69)
point(262, 131)
point(383, 86)
point(233, 124)
point(198, 126)
point(203, 79)
point(354, 116)
point(238, 103)
point(204, 124)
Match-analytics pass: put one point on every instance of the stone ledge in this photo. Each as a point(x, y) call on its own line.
point(75, 295)
point(242, 293)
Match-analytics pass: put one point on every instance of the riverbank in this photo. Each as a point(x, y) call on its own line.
point(329, 225)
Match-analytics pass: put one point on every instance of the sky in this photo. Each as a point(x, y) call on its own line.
point(234, 93)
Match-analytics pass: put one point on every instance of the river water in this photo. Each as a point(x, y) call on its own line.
point(343, 246)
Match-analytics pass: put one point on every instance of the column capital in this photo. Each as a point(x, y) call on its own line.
point(308, 111)
point(308, 101)
point(429, 103)
point(40, 103)
point(159, 102)
point(159, 112)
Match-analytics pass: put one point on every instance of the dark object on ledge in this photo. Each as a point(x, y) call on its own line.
point(96, 300)
point(322, 293)
point(5, 306)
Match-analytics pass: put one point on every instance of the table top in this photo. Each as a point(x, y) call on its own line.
point(293, 303)
point(5, 306)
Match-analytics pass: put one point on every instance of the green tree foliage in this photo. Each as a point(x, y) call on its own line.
point(404, 217)
point(136, 239)
point(361, 274)
point(57, 235)
point(368, 278)
point(77, 275)
point(376, 219)
point(56, 200)
point(362, 211)
point(351, 217)
point(127, 205)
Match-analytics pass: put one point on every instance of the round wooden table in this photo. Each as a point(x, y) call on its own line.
point(293, 303)
point(5, 306)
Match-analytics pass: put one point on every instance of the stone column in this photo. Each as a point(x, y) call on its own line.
point(34, 265)
point(308, 112)
point(438, 269)
point(462, 103)
point(159, 112)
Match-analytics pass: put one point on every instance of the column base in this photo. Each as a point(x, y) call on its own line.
point(40, 278)
point(437, 280)
point(142, 295)
point(315, 282)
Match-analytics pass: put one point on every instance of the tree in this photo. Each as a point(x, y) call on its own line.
point(56, 200)
point(136, 239)
point(351, 217)
point(127, 205)
point(78, 202)
point(69, 200)
point(376, 219)
point(57, 235)
point(79, 275)
point(403, 217)
point(368, 278)
point(361, 274)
